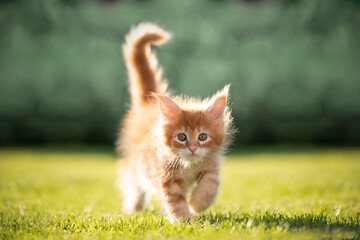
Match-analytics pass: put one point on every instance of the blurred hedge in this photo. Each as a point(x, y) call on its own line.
point(294, 66)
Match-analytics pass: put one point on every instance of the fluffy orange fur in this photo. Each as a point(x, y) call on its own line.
point(169, 143)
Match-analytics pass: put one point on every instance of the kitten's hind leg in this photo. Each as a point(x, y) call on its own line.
point(133, 199)
point(133, 195)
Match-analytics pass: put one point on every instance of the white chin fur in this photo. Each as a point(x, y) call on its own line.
point(193, 158)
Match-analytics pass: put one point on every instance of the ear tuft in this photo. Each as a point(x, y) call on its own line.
point(218, 104)
point(169, 110)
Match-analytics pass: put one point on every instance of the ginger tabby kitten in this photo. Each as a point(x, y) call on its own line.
point(169, 143)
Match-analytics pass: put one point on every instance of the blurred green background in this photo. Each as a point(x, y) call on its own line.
point(294, 66)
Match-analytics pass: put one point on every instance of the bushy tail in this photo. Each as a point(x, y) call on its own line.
point(144, 74)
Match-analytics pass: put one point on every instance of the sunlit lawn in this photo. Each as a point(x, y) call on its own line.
point(308, 194)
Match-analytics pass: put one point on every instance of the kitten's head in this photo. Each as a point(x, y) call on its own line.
point(194, 129)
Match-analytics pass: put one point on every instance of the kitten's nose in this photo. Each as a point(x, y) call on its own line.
point(192, 148)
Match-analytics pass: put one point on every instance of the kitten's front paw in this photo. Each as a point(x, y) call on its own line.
point(192, 211)
point(195, 207)
point(175, 219)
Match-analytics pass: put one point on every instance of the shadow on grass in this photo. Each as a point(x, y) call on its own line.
point(307, 221)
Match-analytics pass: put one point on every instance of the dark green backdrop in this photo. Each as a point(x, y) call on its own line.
point(294, 66)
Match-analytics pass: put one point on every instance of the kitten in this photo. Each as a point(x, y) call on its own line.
point(169, 143)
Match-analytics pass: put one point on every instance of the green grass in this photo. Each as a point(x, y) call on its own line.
point(309, 194)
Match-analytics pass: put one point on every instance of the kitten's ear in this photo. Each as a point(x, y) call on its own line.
point(218, 104)
point(168, 108)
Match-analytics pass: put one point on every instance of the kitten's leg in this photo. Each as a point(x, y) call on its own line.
point(205, 191)
point(133, 200)
point(133, 195)
point(174, 198)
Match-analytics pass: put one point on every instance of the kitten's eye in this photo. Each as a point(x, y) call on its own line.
point(181, 137)
point(202, 137)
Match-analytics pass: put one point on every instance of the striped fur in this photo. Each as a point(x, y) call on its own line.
point(156, 161)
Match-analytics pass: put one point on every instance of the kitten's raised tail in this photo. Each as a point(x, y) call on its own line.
point(144, 74)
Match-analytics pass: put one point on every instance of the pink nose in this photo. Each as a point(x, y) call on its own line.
point(192, 148)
